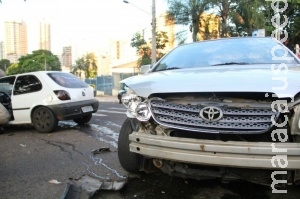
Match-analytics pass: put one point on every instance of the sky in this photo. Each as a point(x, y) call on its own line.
point(87, 25)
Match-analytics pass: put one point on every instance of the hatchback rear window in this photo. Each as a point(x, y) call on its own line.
point(67, 80)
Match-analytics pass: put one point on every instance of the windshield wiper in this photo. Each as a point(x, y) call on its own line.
point(171, 68)
point(231, 63)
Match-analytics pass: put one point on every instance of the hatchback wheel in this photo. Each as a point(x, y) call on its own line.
point(83, 120)
point(44, 120)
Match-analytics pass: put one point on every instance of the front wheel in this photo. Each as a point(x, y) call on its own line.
point(128, 160)
point(83, 120)
point(43, 120)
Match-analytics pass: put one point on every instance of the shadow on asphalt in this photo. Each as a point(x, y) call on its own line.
point(163, 186)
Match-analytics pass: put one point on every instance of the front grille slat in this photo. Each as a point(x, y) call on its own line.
point(228, 118)
point(234, 120)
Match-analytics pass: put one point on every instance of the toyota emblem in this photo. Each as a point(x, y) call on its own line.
point(211, 113)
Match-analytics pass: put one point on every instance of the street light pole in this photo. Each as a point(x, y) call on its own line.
point(153, 25)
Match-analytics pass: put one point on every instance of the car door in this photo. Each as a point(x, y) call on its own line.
point(26, 93)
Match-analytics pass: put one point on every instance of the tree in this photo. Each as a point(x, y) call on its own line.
point(37, 61)
point(12, 69)
point(249, 16)
point(4, 64)
point(137, 41)
point(143, 48)
point(87, 64)
point(185, 12)
point(224, 8)
point(161, 41)
point(293, 27)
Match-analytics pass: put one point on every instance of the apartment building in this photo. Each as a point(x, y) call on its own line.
point(45, 36)
point(15, 40)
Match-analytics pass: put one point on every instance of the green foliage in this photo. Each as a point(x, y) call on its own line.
point(248, 16)
point(293, 29)
point(4, 64)
point(86, 64)
point(143, 48)
point(37, 61)
point(12, 69)
point(161, 40)
point(137, 42)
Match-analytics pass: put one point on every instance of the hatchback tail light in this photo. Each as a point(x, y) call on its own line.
point(62, 95)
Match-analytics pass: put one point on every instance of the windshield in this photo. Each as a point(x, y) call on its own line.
point(239, 51)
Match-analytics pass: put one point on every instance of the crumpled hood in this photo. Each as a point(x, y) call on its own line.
point(217, 79)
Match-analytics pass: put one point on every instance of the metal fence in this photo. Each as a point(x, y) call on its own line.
point(102, 83)
point(107, 83)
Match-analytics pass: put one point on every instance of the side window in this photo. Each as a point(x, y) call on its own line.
point(6, 84)
point(27, 84)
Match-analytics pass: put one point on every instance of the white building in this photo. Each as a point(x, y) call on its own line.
point(15, 40)
point(45, 36)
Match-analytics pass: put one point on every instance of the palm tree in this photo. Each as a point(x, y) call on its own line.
point(249, 15)
point(91, 63)
point(224, 8)
point(86, 64)
point(78, 67)
point(185, 12)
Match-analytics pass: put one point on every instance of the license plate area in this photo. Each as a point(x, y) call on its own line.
point(86, 109)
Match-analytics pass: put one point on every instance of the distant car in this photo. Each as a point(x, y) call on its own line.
point(120, 94)
point(45, 97)
point(225, 108)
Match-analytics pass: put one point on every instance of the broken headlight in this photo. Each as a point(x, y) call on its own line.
point(135, 105)
point(142, 112)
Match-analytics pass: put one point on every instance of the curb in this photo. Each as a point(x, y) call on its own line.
point(107, 98)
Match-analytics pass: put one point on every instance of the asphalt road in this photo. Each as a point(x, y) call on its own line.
point(35, 165)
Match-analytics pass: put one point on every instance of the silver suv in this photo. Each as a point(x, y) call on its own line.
point(226, 108)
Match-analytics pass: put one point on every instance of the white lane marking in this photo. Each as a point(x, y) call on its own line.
point(106, 111)
point(101, 115)
point(112, 124)
point(101, 132)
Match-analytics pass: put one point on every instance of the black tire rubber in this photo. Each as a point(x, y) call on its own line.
point(83, 120)
point(128, 160)
point(43, 120)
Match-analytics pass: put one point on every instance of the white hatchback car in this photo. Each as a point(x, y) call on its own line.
point(43, 98)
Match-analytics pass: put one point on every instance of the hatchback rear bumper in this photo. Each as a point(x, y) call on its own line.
point(73, 110)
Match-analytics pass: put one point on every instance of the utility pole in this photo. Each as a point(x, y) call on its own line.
point(153, 58)
point(153, 25)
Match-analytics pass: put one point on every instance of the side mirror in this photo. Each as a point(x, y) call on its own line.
point(145, 68)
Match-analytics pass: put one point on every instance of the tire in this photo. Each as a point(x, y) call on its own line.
point(120, 98)
point(128, 160)
point(43, 120)
point(83, 120)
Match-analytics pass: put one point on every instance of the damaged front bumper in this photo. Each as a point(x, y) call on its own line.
point(260, 155)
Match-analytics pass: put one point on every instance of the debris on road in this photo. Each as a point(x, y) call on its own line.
point(54, 181)
point(101, 150)
point(89, 186)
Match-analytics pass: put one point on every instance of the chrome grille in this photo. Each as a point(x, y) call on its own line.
point(234, 120)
